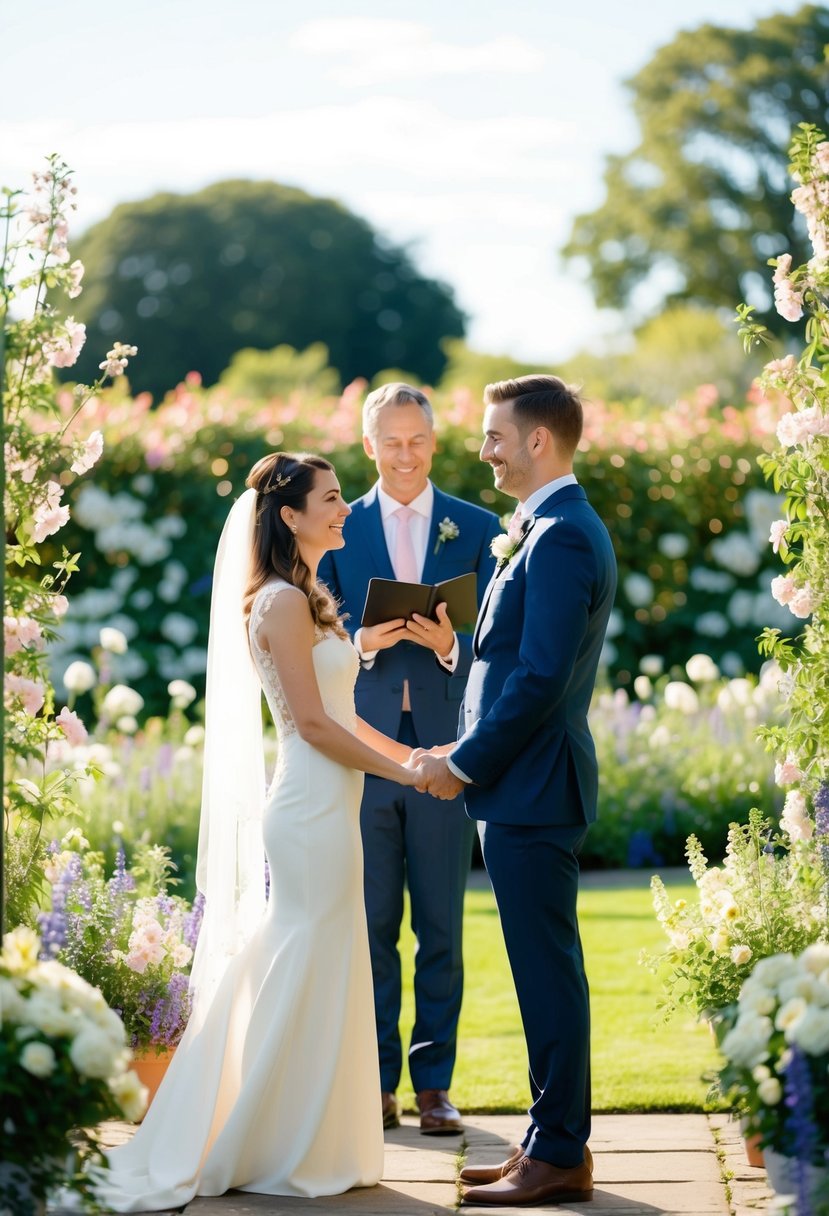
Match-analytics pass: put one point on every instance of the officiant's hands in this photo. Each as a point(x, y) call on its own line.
point(381, 637)
point(437, 635)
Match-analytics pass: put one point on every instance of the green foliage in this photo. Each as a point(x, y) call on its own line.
point(258, 265)
point(280, 372)
point(696, 209)
point(660, 1066)
point(673, 353)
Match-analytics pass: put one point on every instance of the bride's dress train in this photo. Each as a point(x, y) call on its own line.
point(275, 1085)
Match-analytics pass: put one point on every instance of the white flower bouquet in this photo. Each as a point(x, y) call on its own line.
point(64, 1067)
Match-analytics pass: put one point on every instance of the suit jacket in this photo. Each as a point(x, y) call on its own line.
point(525, 742)
point(434, 692)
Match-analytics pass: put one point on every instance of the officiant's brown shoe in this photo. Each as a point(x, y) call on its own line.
point(479, 1175)
point(391, 1111)
point(531, 1181)
point(438, 1117)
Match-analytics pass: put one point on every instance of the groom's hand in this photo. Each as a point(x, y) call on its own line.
point(436, 778)
point(436, 635)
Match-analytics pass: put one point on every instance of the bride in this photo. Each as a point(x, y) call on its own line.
point(274, 1087)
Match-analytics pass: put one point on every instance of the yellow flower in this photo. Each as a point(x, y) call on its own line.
point(20, 950)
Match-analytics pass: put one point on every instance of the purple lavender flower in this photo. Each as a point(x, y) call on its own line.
point(800, 1099)
point(193, 920)
point(54, 927)
point(169, 1013)
point(165, 903)
point(164, 760)
point(121, 881)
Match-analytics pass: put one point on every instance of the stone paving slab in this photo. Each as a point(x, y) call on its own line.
point(644, 1165)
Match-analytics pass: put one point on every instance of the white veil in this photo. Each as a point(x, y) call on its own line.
point(230, 870)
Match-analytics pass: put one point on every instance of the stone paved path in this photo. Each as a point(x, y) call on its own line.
point(673, 1165)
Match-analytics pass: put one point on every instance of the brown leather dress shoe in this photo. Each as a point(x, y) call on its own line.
point(481, 1174)
point(391, 1111)
point(477, 1175)
point(531, 1181)
point(438, 1117)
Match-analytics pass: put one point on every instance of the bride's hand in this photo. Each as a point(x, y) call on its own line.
point(415, 757)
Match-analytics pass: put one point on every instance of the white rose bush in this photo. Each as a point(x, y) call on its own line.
point(64, 1064)
point(40, 459)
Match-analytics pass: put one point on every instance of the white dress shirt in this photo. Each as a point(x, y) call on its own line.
point(419, 526)
point(528, 509)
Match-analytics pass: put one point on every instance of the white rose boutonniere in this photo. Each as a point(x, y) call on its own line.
point(447, 530)
point(503, 547)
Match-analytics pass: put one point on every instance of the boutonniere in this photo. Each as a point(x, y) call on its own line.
point(507, 545)
point(447, 530)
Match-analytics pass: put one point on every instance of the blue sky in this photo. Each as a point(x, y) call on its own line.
point(473, 134)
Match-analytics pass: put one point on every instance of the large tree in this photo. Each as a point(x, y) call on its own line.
point(191, 279)
point(696, 209)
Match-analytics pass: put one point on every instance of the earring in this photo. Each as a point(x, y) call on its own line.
point(293, 529)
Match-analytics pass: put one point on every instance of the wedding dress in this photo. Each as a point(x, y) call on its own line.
point(275, 1086)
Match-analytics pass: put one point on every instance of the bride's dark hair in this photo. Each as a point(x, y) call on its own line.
point(285, 480)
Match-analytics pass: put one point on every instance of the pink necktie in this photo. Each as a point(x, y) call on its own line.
point(406, 566)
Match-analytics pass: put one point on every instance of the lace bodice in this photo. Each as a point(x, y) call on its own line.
point(335, 662)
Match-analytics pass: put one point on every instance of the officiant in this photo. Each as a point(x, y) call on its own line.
point(410, 685)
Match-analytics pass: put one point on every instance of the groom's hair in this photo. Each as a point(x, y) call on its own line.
point(542, 401)
point(394, 393)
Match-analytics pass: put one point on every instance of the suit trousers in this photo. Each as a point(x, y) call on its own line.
point(534, 873)
point(411, 839)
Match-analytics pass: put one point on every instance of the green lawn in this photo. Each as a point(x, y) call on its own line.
point(639, 1062)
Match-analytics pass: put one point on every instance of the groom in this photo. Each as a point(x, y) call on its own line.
point(527, 765)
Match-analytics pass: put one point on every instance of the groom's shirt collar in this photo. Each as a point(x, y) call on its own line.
point(539, 496)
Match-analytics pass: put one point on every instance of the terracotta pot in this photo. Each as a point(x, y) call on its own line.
point(754, 1154)
point(150, 1067)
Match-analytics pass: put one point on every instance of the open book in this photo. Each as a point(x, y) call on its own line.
point(388, 599)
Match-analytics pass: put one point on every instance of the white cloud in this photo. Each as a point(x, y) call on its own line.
point(384, 50)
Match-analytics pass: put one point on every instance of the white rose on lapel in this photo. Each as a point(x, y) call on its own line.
point(447, 530)
point(503, 547)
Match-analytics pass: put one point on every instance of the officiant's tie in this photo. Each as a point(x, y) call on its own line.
point(406, 568)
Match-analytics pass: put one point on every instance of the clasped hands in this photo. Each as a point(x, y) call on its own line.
point(432, 774)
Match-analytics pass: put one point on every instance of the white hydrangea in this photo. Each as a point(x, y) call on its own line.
point(736, 552)
point(178, 628)
point(681, 696)
point(715, 581)
point(673, 545)
point(79, 677)
point(712, 625)
point(638, 590)
point(702, 669)
point(120, 700)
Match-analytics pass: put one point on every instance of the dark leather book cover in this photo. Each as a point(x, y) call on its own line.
point(387, 599)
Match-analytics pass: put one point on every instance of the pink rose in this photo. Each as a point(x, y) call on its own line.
point(801, 603)
point(777, 533)
point(72, 727)
point(60, 605)
point(783, 587)
point(47, 522)
point(787, 772)
point(30, 692)
point(788, 301)
point(63, 350)
point(90, 454)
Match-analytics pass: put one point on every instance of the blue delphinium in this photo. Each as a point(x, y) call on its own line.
point(804, 1137)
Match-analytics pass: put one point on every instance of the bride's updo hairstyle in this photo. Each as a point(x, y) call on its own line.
point(285, 480)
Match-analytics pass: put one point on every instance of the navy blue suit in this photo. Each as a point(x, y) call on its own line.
point(526, 746)
point(410, 838)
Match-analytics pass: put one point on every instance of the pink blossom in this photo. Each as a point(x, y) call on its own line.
point(72, 727)
point(787, 772)
point(783, 588)
point(117, 359)
point(19, 632)
point(50, 516)
point(30, 692)
point(75, 275)
point(784, 367)
point(60, 605)
point(802, 603)
point(90, 454)
point(63, 350)
point(777, 533)
point(788, 301)
point(781, 270)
